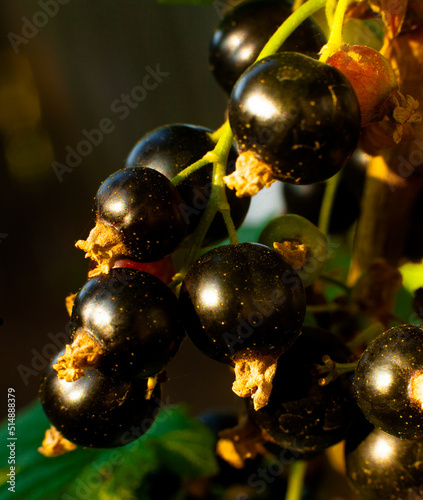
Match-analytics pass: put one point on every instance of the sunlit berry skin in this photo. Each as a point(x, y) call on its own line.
point(388, 382)
point(370, 74)
point(381, 466)
point(172, 148)
point(145, 208)
point(135, 318)
point(97, 410)
point(245, 29)
point(299, 116)
point(301, 414)
point(240, 298)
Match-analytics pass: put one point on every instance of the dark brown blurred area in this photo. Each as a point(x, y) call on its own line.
point(80, 83)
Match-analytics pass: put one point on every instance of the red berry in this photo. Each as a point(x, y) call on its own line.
point(163, 269)
point(371, 76)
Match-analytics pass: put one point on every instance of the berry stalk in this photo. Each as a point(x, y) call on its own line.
point(294, 20)
point(296, 480)
point(327, 203)
point(335, 41)
point(217, 201)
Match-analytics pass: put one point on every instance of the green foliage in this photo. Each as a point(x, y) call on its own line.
point(176, 441)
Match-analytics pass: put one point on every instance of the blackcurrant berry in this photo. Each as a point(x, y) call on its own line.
point(307, 200)
point(128, 321)
point(240, 303)
point(294, 118)
point(388, 382)
point(97, 410)
point(381, 466)
point(360, 64)
point(302, 414)
point(245, 29)
point(138, 215)
point(300, 242)
point(172, 148)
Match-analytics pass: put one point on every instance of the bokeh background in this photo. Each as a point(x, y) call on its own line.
point(67, 68)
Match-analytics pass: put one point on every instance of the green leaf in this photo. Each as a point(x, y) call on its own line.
point(39, 477)
point(176, 441)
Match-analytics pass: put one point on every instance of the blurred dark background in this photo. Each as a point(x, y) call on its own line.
point(66, 70)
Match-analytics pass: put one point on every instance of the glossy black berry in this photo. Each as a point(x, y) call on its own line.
point(135, 319)
point(307, 200)
point(381, 466)
point(298, 115)
point(388, 382)
point(301, 414)
point(144, 207)
point(243, 32)
point(241, 298)
point(172, 148)
point(97, 410)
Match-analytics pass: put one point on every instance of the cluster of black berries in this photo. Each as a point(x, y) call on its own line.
point(104, 389)
point(294, 119)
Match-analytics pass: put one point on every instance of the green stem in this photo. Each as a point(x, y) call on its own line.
point(289, 25)
point(215, 136)
point(331, 370)
point(296, 480)
point(205, 160)
point(366, 336)
point(217, 201)
point(329, 11)
point(222, 150)
point(327, 203)
point(324, 308)
point(336, 282)
point(297, 4)
point(224, 137)
point(335, 41)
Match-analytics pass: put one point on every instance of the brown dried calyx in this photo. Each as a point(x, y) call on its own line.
point(399, 110)
point(84, 352)
point(254, 373)
point(104, 246)
point(250, 175)
point(399, 115)
point(69, 300)
point(294, 251)
point(54, 444)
